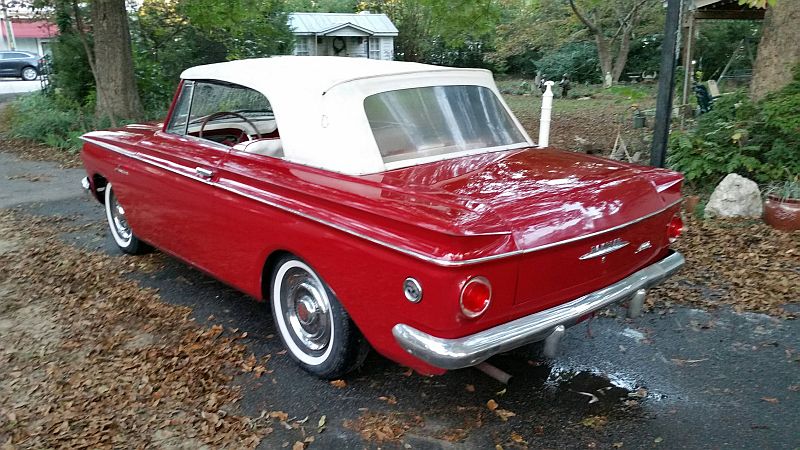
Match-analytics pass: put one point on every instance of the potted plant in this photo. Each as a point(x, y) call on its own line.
point(782, 205)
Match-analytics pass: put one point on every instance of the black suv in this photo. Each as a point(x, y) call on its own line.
point(20, 64)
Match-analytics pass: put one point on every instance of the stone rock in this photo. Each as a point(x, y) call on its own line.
point(735, 196)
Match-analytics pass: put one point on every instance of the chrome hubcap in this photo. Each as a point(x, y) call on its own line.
point(306, 309)
point(118, 218)
point(29, 73)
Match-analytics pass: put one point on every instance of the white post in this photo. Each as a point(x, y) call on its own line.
point(544, 121)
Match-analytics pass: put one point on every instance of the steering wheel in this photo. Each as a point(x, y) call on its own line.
point(219, 114)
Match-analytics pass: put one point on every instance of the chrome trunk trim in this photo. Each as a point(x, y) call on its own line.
point(470, 350)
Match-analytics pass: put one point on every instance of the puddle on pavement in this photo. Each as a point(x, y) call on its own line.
point(570, 386)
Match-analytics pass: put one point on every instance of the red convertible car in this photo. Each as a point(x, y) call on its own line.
point(386, 205)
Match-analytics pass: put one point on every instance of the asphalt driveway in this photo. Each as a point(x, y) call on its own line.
point(677, 378)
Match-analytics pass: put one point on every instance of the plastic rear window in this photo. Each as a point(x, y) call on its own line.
point(438, 120)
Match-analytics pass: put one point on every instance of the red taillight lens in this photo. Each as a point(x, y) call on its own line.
point(675, 228)
point(476, 297)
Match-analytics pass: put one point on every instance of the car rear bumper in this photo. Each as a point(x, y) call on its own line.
point(470, 350)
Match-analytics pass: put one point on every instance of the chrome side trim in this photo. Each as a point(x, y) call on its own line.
point(412, 253)
point(473, 349)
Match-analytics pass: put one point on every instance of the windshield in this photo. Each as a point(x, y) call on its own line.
point(437, 120)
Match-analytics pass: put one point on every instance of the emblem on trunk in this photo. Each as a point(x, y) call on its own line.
point(605, 248)
point(645, 245)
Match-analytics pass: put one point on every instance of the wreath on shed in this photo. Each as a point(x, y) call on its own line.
point(338, 45)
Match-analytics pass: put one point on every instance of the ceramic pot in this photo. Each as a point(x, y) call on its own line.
point(782, 214)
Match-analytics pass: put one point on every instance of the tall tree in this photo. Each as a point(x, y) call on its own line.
point(117, 96)
point(434, 31)
point(612, 24)
point(779, 48)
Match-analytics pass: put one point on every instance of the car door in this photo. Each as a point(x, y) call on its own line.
point(16, 62)
point(184, 210)
point(174, 188)
point(6, 64)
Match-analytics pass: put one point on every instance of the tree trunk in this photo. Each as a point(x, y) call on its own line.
point(117, 96)
point(622, 55)
point(778, 51)
point(605, 57)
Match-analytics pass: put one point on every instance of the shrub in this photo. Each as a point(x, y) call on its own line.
point(48, 119)
point(579, 60)
point(757, 140)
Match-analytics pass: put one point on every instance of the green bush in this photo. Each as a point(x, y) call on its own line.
point(48, 119)
point(757, 140)
point(578, 59)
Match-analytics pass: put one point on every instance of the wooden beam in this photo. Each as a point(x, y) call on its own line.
point(747, 14)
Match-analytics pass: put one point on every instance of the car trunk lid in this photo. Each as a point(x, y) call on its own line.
point(595, 219)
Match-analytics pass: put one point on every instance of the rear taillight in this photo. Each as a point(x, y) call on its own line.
point(675, 228)
point(476, 297)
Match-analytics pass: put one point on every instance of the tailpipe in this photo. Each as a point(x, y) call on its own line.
point(494, 372)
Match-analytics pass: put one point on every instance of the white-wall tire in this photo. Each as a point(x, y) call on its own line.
point(121, 231)
point(314, 327)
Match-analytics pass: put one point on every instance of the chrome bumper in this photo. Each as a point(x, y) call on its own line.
point(470, 350)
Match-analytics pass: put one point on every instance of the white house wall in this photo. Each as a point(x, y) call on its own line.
point(323, 46)
point(387, 48)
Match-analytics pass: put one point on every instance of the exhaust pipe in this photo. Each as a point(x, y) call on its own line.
point(494, 372)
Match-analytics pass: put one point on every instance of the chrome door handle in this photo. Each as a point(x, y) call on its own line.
point(204, 173)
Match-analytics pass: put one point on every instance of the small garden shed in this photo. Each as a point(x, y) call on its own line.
point(361, 35)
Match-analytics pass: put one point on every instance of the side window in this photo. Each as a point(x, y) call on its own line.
point(233, 115)
point(177, 123)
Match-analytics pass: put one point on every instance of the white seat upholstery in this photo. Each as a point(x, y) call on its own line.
point(266, 147)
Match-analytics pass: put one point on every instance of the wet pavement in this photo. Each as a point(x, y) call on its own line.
point(678, 378)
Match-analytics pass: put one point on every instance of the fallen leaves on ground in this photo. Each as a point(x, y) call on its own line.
point(34, 151)
point(743, 264)
point(595, 421)
point(383, 427)
point(90, 359)
point(503, 414)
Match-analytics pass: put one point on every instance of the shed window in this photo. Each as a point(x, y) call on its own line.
point(374, 48)
point(301, 46)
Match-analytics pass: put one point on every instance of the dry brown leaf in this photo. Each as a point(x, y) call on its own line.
point(516, 437)
point(339, 384)
point(504, 414)
point(492, 405)
point(391, 399)
point(280, 415)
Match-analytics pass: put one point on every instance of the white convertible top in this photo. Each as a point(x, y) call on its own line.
point(318, 102)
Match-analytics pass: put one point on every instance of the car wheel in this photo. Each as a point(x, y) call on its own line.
point(29, 73)
point(315, 328)
point(120, 228)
